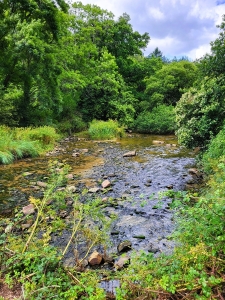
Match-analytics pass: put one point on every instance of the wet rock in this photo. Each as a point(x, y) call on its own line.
point(71, 188)
point(195, 172)
point(29, 209)
point(75, 154)
point(70, 176)
point(94, 190)
point(25, 226)
point(124, 246)
point(111, 175)
point(106, 183)
point(141, 237)
point(85, 150)
point(95, 258)
point(157, 142)
point(134, 186)
point(125, 196)
point(169, 187)
point(42, 184)
point(122, 262)
point(27, 174)
point(69, 262)
point(130, 153)
point(63, 214)
point(115, 232)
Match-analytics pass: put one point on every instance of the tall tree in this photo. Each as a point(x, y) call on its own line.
point(29, 31)
point(168, 83)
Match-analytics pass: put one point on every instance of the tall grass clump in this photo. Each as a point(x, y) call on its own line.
point(104, 130)
point(25, 142)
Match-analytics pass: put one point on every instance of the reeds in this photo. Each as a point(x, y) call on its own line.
point(104, 130)
point(25, 142)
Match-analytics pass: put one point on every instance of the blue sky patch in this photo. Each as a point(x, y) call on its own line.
point(219, 2)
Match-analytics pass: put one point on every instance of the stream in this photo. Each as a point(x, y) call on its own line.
point(144, 219)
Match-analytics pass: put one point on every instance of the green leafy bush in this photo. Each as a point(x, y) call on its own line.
point(215, 151)
point(160, 120)
point(105, 129)
point(200, 113)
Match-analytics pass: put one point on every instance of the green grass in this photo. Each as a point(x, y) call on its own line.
point(105, 130)
point(25, 142)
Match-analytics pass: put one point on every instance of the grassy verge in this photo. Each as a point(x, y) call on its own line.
point(23, 142)
point(105, 130)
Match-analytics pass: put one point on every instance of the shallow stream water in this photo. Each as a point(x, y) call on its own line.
point(143, 217)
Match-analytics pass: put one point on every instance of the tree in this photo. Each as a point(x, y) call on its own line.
point(105, 96)
point(214, 64)
point(29, 33)
point(156, 53)
point(168, 83)
point(200, 112)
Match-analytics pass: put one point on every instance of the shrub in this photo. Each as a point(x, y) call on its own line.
point(160, 120)
point(200, 113)
point(105, 129)
point(215, 151)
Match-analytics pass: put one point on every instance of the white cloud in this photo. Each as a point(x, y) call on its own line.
point(156, 13)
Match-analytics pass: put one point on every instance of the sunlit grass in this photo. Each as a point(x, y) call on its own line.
point(25, 142)
point(104, 130)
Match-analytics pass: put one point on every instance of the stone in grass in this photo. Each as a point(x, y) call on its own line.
point(95, 258)
point(28, 210)
point(94, 190)
point(42, 184)
point(124, 246)
point(122, 262)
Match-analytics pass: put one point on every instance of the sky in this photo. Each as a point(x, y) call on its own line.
point(177, 27)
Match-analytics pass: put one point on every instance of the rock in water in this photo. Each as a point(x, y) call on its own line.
point(130, 153)
point(106, 183)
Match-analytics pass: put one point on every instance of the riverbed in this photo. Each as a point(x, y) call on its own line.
point(143, 214)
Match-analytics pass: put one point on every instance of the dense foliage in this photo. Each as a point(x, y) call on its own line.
point(200, 112)
point(65, 65)
point(160, 120)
